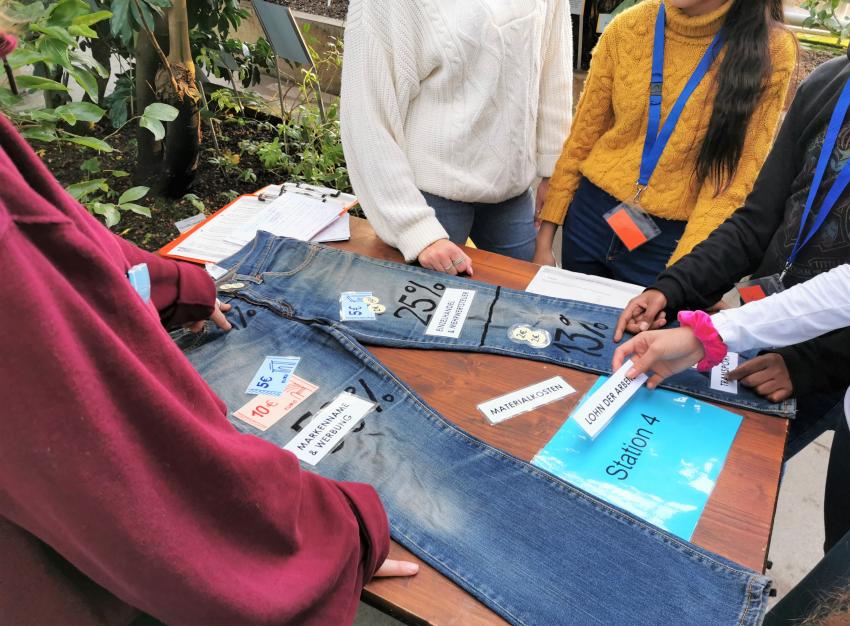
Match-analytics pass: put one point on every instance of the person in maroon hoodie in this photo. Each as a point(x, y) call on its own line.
point(123, 487)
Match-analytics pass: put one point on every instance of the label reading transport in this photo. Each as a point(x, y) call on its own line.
point(450, 314)
point(328, 428)
point(273, 375)
point(263, 412)
point(526, 399)
point(720, 374)
point(598, 409)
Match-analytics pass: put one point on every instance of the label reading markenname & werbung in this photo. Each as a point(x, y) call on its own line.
point(526, 399)
point(597, 411)
point(449, 316)
point(328, 428)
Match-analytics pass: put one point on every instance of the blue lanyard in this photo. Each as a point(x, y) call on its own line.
point(838, 187)
point(655, 142)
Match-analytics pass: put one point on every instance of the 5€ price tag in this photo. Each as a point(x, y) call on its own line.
point(273, 375)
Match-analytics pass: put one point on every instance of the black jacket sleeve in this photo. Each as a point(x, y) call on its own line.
point(737, 247)
point(819, 365)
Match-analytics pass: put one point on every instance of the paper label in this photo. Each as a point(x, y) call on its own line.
point(215, 271)
point(184, 225)
point(526, 399)
point(355, 306)
point(263, 412)
point(597, 411)
point(328, 428)
point(632, 225)
point(720, 373)
point(273, 375)
point(451, 312)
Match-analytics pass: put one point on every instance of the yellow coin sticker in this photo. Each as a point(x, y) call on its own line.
point(371, 300)
point(379, 309)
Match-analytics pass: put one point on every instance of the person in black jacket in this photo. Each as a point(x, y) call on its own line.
point(757, 240)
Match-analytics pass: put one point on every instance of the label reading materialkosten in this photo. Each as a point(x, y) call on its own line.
point(449, 316)
point(328, 428)
point(525, 399)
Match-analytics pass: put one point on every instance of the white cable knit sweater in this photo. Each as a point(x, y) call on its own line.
point(465, 99)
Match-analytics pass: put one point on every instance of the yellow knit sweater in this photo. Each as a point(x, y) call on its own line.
point(606, 142)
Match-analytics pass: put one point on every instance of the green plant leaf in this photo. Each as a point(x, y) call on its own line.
point(110, 212)
point(43, 115)
point(82, 189)
point(82, 31)
point(155, 126)
point(39, 134)
point(64, 12)
point(83, 111)
point(89, 142)
point(86, 80)
point(56, 33)
point(39, 82)
point(119, 173)
point(160, 111)
point(91, 166)
point(91, 18)
point(136, 208)
point(133, 194)
point(26, 56)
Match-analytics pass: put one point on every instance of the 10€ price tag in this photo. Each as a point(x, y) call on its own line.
point(263, 412)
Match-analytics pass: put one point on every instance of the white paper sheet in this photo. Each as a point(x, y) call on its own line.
point(291, 215)
point(339, 230)
point(557, 283)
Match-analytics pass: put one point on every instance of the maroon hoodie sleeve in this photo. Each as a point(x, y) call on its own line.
point(181, 292)
point(115, 453)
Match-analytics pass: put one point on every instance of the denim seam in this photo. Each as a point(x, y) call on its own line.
point(469, 582)
point(553, 481)
point(307, 261)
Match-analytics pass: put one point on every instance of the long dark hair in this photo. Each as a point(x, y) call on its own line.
point(741, 79)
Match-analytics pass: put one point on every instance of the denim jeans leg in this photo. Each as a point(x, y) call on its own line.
point(507, 227)
point(587, 238)
point(531, 547)
point(456, 217)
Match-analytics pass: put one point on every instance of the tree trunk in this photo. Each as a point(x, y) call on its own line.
point(101, 51)
point(147, 63)
point(179, 89)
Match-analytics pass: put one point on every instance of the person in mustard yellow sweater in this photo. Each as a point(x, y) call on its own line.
point(677, 116)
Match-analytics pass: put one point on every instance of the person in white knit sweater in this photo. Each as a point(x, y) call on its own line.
point(450, 111)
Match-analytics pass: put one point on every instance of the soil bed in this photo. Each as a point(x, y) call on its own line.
point(337, 9)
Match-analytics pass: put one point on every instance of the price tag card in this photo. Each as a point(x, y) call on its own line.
point(526, 399)
point(598, 409)
point(354, 306)
point(263, 412)
point(273, 375)
point(633, 226)
point(759, 288)
point(450, 315)
point(720, 374)
point(328, 428)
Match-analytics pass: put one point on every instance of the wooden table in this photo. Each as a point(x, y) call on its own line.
point(738, 518)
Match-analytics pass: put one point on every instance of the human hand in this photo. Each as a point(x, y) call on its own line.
point(447, 257)
point(543, 254)
point(768, 375)
point(217, 317)
point(392, 567)
point(540, 200)
point(643, 312)
point(662, 352)
point(720, 305)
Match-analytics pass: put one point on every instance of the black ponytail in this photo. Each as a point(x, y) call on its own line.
point(741, 80)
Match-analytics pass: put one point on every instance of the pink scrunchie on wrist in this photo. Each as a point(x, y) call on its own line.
point(8, 43)
point(703, 328)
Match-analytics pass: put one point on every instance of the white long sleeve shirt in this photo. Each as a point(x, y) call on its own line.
point(469, 100)
point(803, 312)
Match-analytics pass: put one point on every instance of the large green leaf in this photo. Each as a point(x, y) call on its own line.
point(136, 208)
point(57, 33)
point(133, 194)
point(39, 134)
point(65, 11)
point(43, 115)
point(155, 126)
point(160, 111)
point(39, 82)
point(82, 189)
point(91, 18)
point(8, 99)
point(26, 56)
point(86, 80)
point(89, 142)
point(107, 210)
point(83, 111)
point(55, 51)
point(82, 31)
point(120, 23)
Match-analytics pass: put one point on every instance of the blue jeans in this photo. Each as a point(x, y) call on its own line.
point(504, 228)
point(579, 334)
point(591, 247)
point(531, 547)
